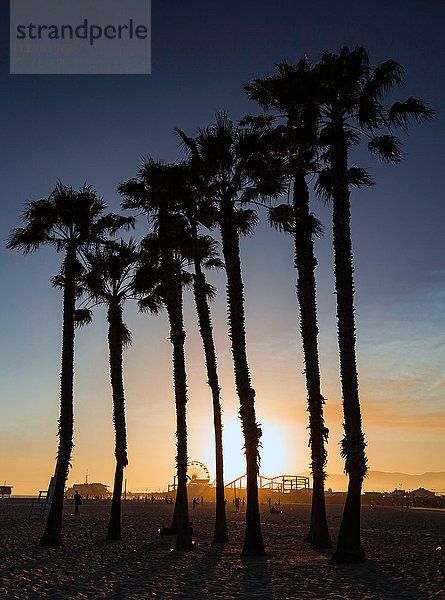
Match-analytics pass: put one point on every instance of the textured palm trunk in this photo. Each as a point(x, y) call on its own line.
point(220, 534)
point(172, 289)
point(52, 536)
point(353, 445)
point(115, 345)
point(177, 337)
point(305, 262)
point(253, 538)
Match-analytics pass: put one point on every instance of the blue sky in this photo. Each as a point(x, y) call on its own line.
point(95, 129)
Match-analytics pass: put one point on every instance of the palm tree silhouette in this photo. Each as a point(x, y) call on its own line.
point(351, 103)
point(291, 93)
point(236, 168)
point(156, 192)
point(70, 221)
point(204, 254)
point(108, 280)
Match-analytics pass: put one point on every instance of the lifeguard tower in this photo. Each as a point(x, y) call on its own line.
point(5, 491)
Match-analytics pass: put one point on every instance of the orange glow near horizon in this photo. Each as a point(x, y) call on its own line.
point(402, 434)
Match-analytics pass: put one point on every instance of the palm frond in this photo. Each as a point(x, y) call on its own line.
point(127, 337)
point(186, 278)
point(259, 121)
point(152, 303)
point(208, 247)
point(315, 226)
point(210, 291)
point(58, 281)
point(30, 239)
point(82, 317)
point(323, 185)
point(282, 218)
point(387, 148)
point(359, 177)
point(188, 143)
point(112, 223)
point(412, 108)
point(246, 219)
point(383, 78)
point(214, 263)
point(133, 191)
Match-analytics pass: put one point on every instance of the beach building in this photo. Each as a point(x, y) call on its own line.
point(5, 491)
point(89, 490)
point(421, 493)
point(398, 493)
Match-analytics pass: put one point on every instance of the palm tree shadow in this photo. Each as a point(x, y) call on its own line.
point(202, 573)
point(371, 577)
point(326, 552)
point(255, 578)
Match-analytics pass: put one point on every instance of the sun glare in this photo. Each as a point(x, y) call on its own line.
point(274, 454)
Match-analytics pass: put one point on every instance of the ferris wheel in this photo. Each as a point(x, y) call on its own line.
point(197, 472)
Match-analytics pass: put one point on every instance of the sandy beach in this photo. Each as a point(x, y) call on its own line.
point(401, 545)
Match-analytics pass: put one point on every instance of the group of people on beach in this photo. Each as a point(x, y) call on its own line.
point(197, 501)
point(167, 499)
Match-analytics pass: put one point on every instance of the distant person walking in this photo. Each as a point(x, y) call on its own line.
point(77, 502)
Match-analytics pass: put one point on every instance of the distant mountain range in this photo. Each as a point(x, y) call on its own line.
point(380, 481)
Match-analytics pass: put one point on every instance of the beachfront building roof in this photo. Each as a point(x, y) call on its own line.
point(88, 490)
point(422, 493)
point(397, 492)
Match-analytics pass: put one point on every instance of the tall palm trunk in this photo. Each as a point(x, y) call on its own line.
point(353, 445)
point(253, 538)
point(305, 263)
point(115, 345)
point(177, 337)
point(220, 534)
point(53, 528)
point(172, 289)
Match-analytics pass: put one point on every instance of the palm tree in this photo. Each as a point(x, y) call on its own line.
point(156, 192)
point(351, 103)
point(109, 281)
point(236, 166)
point(291, 93)
point(204, 254)
point(69, 221)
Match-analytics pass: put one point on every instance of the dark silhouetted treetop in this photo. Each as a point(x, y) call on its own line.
point(351, 94)
point(67, 216)
point(236, 163)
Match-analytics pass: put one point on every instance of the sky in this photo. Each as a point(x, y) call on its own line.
point(95, 129)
